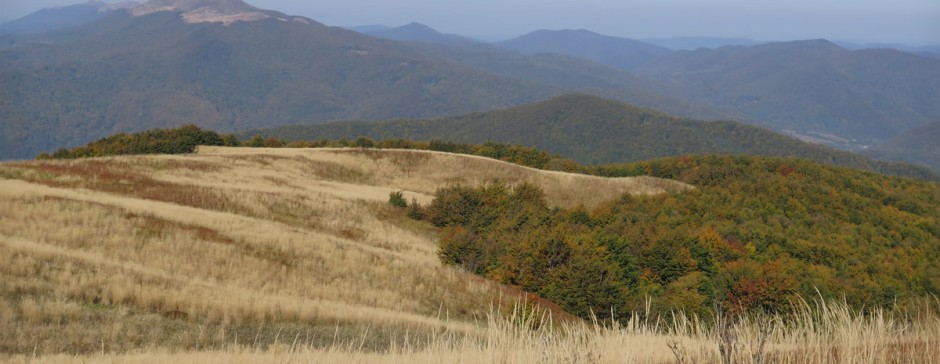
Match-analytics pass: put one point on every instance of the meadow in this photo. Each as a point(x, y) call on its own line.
point(294, 255)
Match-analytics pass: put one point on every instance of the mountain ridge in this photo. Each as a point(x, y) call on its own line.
point(594, 130)
point(198, 11)
point(129, 73)
point(417, 32)
point(622, 53)
point(811, 86)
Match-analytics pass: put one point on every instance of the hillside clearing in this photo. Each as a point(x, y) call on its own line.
point(189, 251)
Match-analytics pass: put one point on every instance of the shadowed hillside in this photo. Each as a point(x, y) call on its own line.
point(858, 98)
point(920, 145)
point(596, 131)
point(130, 73)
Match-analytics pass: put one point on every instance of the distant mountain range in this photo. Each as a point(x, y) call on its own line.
point(594, 130)
point(61, 17)
point(853, 99)
point(693, 43)
point(416, 32)
point(923, 50)
point(622, 53)
point(862, 97)
point(229, 66)
point(127, 73)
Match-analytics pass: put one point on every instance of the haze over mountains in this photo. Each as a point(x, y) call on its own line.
point(228, 65)
point(626, 54)
point(62, 17)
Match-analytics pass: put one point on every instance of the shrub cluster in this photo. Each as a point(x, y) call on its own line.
point(183, 139)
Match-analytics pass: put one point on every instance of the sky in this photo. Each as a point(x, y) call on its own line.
point(912, 22)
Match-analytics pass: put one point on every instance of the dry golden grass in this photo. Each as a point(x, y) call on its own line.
point(822, 333)
point(186, 251)
point(284, 255)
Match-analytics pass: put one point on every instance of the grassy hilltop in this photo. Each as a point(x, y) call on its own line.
point(243, 245)
point(259, 255)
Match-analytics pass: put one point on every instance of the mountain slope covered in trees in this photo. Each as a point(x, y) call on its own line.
point(593, 130)
point(129, 73)
point(920, 145)
point(753, 236)
point(859, 98)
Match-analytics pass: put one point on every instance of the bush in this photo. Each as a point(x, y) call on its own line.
point(415, 211)
point(397, 199)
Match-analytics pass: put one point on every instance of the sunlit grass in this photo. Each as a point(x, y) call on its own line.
point(275, 255)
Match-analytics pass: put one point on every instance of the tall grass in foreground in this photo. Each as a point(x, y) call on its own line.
point(818, 332)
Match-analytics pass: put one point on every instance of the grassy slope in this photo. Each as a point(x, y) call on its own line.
point(248, 244)
point(284, 254)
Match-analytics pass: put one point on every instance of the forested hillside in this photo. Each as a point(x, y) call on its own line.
point(755, 234)
point(593, 130)
point(856, 98)
point(130, 73)
point(920, 145)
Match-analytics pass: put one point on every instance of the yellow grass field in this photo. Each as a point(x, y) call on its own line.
point(185, 251)
point(293, 255)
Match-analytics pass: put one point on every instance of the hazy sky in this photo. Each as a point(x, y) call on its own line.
point(913, 22)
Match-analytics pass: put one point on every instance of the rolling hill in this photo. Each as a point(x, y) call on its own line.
point(261, 255)
point(856, 98)
point(245, 245)
point(622, 53)
point(594, 130)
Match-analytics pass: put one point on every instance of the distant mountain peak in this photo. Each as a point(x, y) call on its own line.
point(417, 32)
point(810, 44)
point(202, 11)
point(623, 53)
point(415, 27)
point(415, 24)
